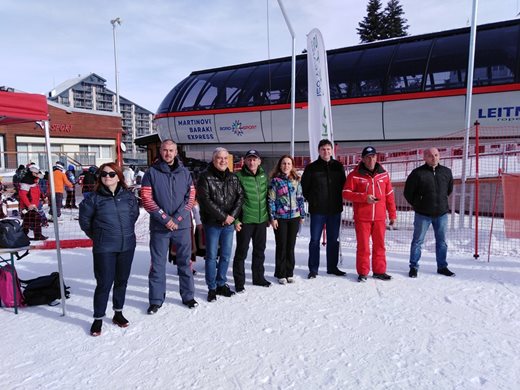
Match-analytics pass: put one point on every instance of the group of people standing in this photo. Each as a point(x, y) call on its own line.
point(246, 203)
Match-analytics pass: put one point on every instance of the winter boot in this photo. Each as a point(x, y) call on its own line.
point(119, 319)
point(212, 295)
point(225, 291)
point(95, 329)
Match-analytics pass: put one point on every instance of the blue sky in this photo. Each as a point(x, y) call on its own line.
point(161, 41)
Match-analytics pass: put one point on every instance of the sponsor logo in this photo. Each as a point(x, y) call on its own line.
point(502, 114)
point(237, 128)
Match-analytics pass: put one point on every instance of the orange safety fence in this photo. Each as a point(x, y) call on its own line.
point(510, 189)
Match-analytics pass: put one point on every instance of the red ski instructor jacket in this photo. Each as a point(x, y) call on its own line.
point(360, 183)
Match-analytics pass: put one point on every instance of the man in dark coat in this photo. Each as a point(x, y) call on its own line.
point(322, 184)
point(220, 197)
point(168, 194)
point(427, 190)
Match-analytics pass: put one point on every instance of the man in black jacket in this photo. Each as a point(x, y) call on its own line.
point(220, 197)
point(427, 189)
point(322, 185)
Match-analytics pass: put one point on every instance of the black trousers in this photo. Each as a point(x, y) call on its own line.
point(256, 232)
point(111, 269)
point(285, 237)
point(70, 202)
point(59, 203)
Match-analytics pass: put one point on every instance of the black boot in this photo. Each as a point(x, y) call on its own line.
point(120, 320)
point(95, 329)
point(225, 291)
point(38, 236)
point(212, 295)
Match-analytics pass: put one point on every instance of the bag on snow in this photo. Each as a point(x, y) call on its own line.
point(43, 290)
point(6, 288)
point(12, 235)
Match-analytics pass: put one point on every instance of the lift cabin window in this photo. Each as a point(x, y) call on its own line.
point(192, 91)
point(342, 67)
point(235, 85)
point(258, 89)
point(408, 67)
point(216, 91)
point(371, 71)
point(448, 63)
point(496, 56)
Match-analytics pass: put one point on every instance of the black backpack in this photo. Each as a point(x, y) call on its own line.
point(43, 290)
point(12, 235)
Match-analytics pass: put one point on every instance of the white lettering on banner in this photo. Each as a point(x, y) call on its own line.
point(316, 61)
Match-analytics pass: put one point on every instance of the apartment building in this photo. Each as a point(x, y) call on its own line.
point(90, 93)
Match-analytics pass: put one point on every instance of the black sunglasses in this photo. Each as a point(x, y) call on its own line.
point(105, 174)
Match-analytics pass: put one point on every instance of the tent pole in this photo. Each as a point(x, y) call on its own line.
point(45, 126)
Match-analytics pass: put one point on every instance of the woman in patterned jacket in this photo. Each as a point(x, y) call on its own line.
point(286, 213)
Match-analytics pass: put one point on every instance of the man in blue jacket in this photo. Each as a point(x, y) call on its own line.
point(168, 195)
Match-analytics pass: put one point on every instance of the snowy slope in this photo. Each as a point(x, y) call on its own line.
point(432, 332)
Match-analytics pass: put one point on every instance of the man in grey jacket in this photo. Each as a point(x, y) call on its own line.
point(168, 195)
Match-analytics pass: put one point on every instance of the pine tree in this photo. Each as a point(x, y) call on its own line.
point(372, 25)
point(394, 21)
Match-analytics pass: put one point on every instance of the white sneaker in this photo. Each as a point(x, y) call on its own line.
point(282, 280)
point(290, 280)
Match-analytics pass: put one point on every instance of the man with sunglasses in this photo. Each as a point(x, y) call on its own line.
point(168, 195)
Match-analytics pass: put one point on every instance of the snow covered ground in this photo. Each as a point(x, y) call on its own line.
point(432, 332)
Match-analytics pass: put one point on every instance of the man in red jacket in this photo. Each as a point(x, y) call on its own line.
point(369, 189)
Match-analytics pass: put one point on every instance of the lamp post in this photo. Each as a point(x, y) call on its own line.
point(114, 22)
point(293, 74)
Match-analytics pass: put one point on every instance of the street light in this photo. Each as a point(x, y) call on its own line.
point(114, 22)
point(293, 74)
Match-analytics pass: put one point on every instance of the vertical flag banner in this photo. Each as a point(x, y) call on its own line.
point(320, 115)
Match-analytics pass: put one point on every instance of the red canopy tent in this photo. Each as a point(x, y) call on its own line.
point(18, 107)
point(22, 107)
